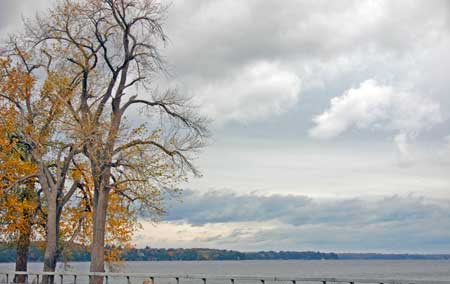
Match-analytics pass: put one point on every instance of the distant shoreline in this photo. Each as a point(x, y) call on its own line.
point(80, 254)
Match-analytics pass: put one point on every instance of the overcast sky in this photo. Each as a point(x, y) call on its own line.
point(331, 127)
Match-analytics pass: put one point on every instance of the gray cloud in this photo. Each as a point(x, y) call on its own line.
point(227, 206)
point(6, 7)
point(391, 223)
point(230, 33)
point(329, 46)
point(12, 11)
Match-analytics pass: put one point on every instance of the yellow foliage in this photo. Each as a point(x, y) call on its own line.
point(18, 196)
point(76, 222)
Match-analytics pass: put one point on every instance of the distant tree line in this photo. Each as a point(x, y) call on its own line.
point(393, 256)
point(8, 254)
point(36, 253)
point(215, 254)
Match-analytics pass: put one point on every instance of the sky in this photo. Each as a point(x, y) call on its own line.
point(330, 124)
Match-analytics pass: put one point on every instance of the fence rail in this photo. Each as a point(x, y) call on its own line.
point(203, 278)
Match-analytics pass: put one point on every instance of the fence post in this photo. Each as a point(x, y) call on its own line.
point(178, 280)
point(232, 281)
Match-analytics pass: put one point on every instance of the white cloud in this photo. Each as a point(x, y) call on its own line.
point(255, 91)
point(214, 235)
point(378, 107)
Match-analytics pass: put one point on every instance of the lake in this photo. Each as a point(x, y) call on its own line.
point(383, 269)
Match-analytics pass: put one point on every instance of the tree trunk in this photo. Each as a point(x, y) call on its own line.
point(101, 199)
point(24, 241)
point(22, 249)
point(51, 248)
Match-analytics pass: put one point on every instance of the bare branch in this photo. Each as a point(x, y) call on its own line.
point(20, 181)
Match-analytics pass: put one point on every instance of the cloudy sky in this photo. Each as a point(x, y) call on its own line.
point(331, 127)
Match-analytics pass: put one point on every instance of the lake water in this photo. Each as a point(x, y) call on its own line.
point(379, 269)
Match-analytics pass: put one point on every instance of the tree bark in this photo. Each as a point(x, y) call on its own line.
point(22, 250)
point(25, 234)
point(52, 240)
point(101, 198)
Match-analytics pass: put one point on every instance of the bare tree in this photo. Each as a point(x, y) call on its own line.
point(111, 49)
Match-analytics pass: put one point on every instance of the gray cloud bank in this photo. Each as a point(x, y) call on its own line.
point(390, 224)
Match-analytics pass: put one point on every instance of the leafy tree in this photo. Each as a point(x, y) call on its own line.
point(20, 204)
point(39, 120)
point(19, 174)
point(111, 49)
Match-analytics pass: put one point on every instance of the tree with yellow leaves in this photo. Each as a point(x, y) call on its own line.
point(40, 128)
point(111, 47)
point(19, 206)
point(76, 226)
point(72, 79)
